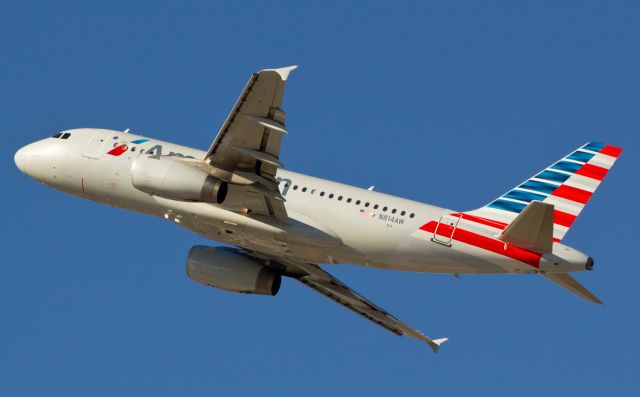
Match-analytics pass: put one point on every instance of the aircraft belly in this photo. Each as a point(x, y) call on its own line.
point(425, 256)
point(245, 238)
point(420, 253)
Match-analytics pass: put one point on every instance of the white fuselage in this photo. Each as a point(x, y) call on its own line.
point(329, 222)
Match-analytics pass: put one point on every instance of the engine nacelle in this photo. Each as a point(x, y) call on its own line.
point(172, 179)
point(230, 270)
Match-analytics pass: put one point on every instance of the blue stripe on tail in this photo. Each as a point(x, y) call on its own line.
point(553, 176)
point(580, 156)
point(594, 146)
point(539, 186)
point(524, 196)
point(566, 166)
point(507, 206)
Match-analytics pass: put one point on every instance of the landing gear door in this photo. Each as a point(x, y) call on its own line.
point(95, 146)
point(445, 230)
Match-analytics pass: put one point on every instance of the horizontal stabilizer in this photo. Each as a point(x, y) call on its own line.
point(568, 282)
point(532, 229)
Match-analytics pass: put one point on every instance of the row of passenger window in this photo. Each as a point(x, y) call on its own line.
point(349, 200)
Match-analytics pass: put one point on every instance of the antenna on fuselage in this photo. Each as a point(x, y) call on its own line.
point(126, 131)
point(370, 188)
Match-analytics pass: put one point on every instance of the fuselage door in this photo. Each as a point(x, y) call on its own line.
point(445, 229)
point(95, 145)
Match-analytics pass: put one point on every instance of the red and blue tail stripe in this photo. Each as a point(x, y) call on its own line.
point(567, 184)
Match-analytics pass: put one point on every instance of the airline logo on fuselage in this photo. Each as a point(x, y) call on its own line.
point(155, 150)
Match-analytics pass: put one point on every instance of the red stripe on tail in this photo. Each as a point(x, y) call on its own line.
point(484, 221)
point(611, 151)
point(572, 193)
point(563, 219)
point(592, 171)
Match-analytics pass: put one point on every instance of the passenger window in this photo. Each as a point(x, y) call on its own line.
point(133, 149)
point(65, 135)
point(304, 189)
point(321, 194)
point(58, 135)
point(366, 204)
point(339, 198)
point(403, 212)
point(295, 187)
point(375, 207)
point(313, 191)
point(384, 209)
point(358, 202)
point(412, 215)
point(349, 200)
point(331, 195)
point(393, 211)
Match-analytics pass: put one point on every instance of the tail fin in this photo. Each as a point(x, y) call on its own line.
point(567, 184)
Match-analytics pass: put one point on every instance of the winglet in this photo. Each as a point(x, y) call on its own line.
point(283, 72)
point(435, 343)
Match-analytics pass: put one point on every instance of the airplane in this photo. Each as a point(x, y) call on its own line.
point(279, 223)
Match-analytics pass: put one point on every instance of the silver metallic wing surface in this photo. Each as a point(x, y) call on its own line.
point(316, 278)
point(247, 147)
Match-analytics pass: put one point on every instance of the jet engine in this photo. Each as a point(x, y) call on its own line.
point(231, 270)
point(172, 179)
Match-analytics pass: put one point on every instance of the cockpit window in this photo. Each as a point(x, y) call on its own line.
point(58, 135)
point(66, 135)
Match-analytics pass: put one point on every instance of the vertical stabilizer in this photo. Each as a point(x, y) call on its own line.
point(567, 185)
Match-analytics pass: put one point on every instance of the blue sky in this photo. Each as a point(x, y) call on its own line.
point(447, 104)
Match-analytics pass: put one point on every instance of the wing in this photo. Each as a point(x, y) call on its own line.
point(316, 278)
point(246, 150)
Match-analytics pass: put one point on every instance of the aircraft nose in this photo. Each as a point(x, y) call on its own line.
point(37, 159)
point(20, 158)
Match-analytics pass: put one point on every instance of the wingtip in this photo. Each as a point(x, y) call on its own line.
point(283, 72)
point(435, 344)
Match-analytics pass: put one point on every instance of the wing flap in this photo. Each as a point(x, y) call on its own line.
point(246, 150)
point(256, 113)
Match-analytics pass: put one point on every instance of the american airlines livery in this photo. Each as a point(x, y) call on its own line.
point(282, 223)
